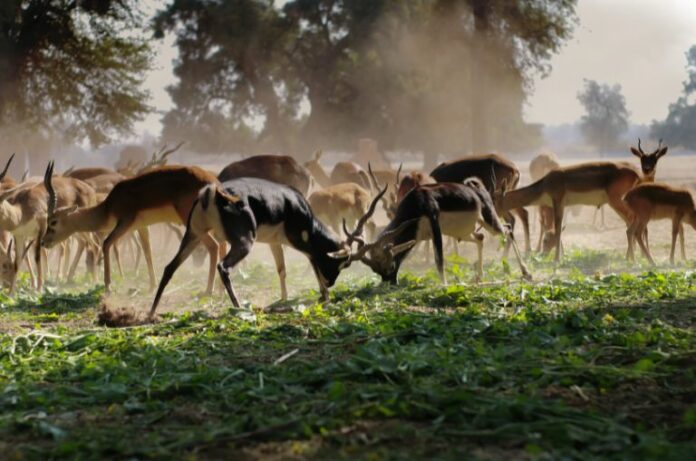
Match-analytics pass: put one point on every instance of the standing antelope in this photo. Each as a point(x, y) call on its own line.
point(246, 210)
point(653, 201)
point(282, 169)
point(163, 195)
point(23, 213)
point(342, 172)
point(594, 183)
point(496, 173)
point(341, 202)
point(648, 162)
point(429, 212)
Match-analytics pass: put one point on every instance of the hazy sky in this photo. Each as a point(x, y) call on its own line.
point(639, 44)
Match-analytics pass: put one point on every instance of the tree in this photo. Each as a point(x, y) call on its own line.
point(74, 67)
point(326, 72)
point(606, 115)
point(680, 125)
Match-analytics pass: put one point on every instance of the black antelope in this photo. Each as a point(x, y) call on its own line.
point(428, 212)
point(248, 210)
point(496, 173)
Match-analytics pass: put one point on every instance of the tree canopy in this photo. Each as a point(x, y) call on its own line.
point(423, 75)
point(74, 67)
point(680, 125)
point(606, 117)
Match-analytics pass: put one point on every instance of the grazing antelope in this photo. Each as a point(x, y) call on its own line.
point(341, 202)
point(428, 212)
point(246, 210)
point(538, 168)
point(496, 173)
point(282, 169)
point(165, 194)
point(653, 201)
point(23, 213)
point(593, 183)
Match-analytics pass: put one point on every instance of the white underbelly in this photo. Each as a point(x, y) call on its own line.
point(595, 197)
point(457, 224)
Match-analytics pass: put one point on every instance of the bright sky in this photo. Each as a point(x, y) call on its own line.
point(639, 44)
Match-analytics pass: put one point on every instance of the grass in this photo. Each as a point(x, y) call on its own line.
point(591, 366)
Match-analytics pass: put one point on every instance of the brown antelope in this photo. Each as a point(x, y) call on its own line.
point(594, 183)
point(23, 213)
point(429, 212)
point(342, 172)
point(399, 187)
point(87, 173)
point(282, 169)
point(341, 202)
point(162, 195)
point(538, 168)
point(654, 201)
point(246, 210)
point(496, 173)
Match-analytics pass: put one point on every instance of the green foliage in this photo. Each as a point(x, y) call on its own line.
point(679, 125)
point(588, 367)
point(70, 67)
point(404, 73)
point(606, 115)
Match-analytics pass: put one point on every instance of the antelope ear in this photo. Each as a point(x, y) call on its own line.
point(636, 152)
point(340, 254)
point(661, 152)
point(318, 154)
point(400, 248)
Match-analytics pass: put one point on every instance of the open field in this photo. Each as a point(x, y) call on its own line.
point(584, 364)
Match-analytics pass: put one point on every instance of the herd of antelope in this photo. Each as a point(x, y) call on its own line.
point(266, 198)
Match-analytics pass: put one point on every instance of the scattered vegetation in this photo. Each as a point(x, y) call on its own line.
point(588, 367)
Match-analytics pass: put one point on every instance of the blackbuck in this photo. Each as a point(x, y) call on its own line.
point(427, 213)
point(496, 173)
point(648, 162)
point(23, 212)
point(593, 183)
point(654, 201)
point(248, 210)
point(163, 195)
point(317, 171)
point(282, 169)
point(342, 202)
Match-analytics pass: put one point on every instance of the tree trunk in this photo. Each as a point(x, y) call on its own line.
point(480, 70)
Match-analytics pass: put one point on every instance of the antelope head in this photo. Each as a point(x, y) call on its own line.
point(379, 255)
point(648, 162)
point(160, 157)
point(56, 218)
